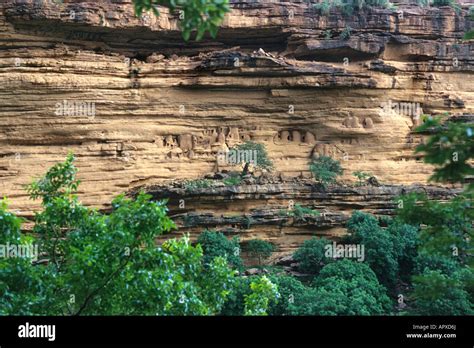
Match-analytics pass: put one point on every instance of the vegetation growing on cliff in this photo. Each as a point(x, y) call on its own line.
point(311, 255)
point(260, 249)
point(215, 244)
point(349, 6)
point(252, 153)
point(200, 16)
point(325, 170)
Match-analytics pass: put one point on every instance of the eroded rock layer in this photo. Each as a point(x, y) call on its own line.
point(259, 208)
point(138, 106)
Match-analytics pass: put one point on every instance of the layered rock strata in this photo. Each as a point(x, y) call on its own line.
point(140, 107)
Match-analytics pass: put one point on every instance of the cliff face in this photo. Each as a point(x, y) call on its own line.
point(138, 106)
point(259, 208)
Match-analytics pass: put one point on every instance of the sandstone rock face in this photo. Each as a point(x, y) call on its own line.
point(259, 209)
point(138, 106)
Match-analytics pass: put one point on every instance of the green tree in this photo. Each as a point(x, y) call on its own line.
point(215, 244)
point(235, 303)
point(406, 241)
point(445, 227)
point(263, 293)
point(97, 264)
point(470, 34)
point(426, 262)
point(439, 294)
point(445, 277)
point(292, 294)
point(325, 170)
point(344, 288)
point(311, 255)
point(450, 148)
point(439, 3)
point(380, 253)
point(256, 151)
point(299, 213)
point(200, 15)
point(260, 249)
point(349, 6)
point(361, 176)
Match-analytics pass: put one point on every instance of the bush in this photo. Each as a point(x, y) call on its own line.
point(311, 255)
point(292, 293)
point(361, 176)
point(380, 249)
point(215, 244)
point(260, 249)
point(261, 157)
point(437, 294)
point(406, 241)
point(325, 170)
point(299, 213)
point(426, 262)
point(344, 288)
point(251, 296)
point(349, 6)
point(263, 292)
point(446, 227)
point(443, 286)
point(232, 180)
point(235, 303)
point(192, 185)
point(439, 3)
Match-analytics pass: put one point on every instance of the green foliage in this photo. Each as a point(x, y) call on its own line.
point(444, 284)
point(361, 176)
point(232, 180)
point(292, 293)
point(360, 220)
point(470, 34)
point(247, 221)
point(22, 287)
point(260, 249)
point(349, 6)
point(263, 293)
point(10, 226)
point(346, 33)
point(311, 255)
point(344, 288)
point(389, 253)
point(325, 170)
point(438, 3)
point(215, 244)
point(200, 15)
point(446, 226)
point(262, 159)
point(192, 185)
point(327, 34)
point(324, 7)
point(99, 264)
point(299, 213)
point(439, 294)
point(59, 181)
point(450, 148)
point(235, 304)
point(406, 241)
point(350, 288)
point(425, 262)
